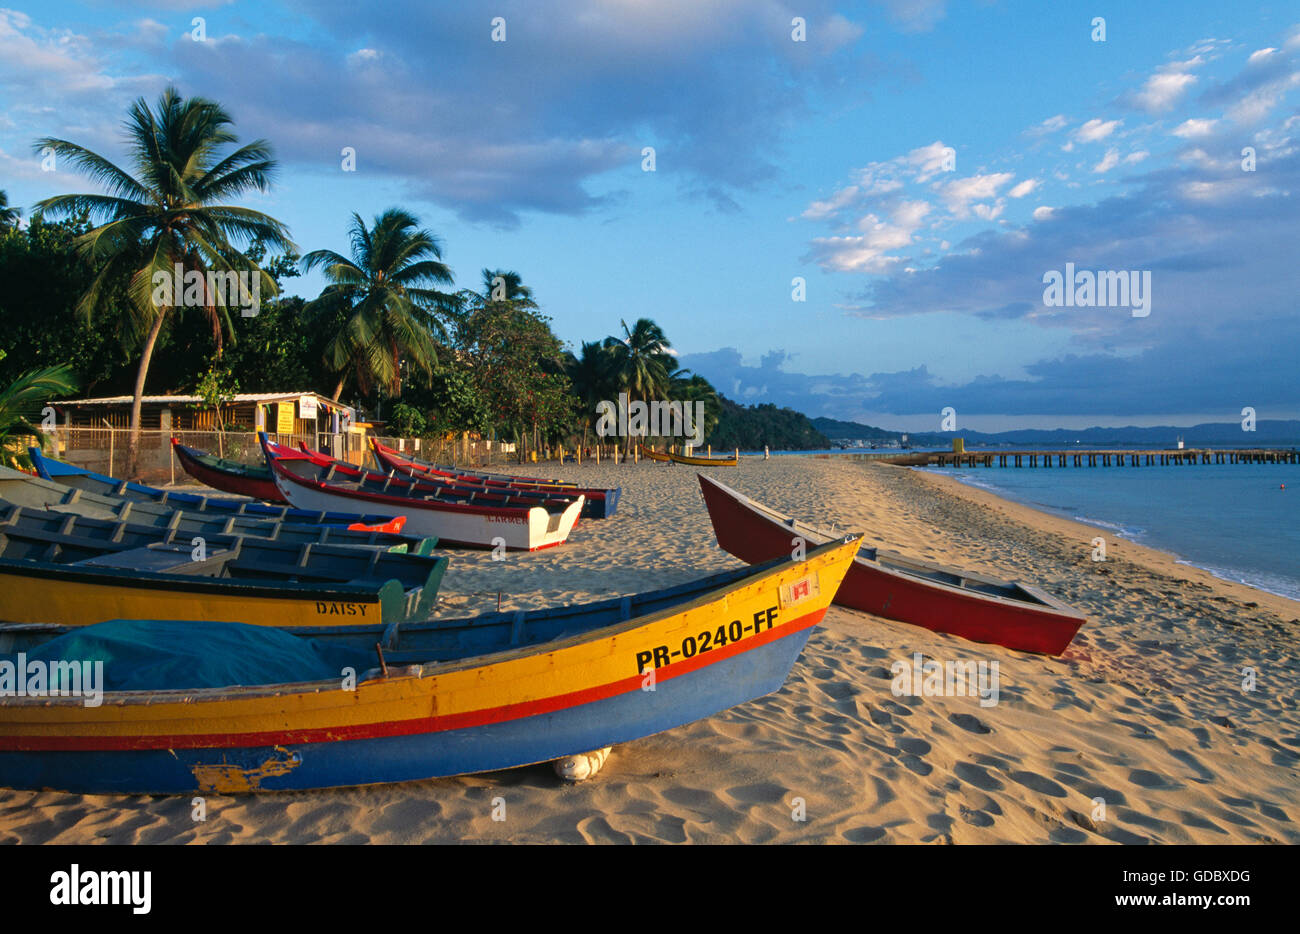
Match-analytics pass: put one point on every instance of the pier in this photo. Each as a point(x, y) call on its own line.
point(1095, 458)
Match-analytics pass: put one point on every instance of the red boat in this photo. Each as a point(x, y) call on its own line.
point(228, 476)
point(600, 504)
point(942, 599)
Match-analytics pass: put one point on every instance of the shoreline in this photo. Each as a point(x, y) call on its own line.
point(1145, 711)
point(1163, 560)
point(1114, 528)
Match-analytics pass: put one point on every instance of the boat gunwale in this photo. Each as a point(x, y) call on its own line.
point(410, 502)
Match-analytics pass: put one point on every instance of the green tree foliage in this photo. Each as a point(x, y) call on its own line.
point(8, 216)
point(20, 409)
point(39, 325)
point(514, 360)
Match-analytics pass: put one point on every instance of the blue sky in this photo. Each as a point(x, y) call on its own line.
point(920, 164)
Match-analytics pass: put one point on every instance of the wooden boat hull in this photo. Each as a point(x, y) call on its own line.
point(454, 524)
point(690, 460)
point(600, 503)
point(655, 456)
point(612, 685)
point(905, 590)
point(246, 480)
point(490, 478)
point(32, 592)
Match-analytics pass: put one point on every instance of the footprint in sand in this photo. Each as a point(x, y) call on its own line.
point(978, 776)
point(976, 818)
point(1148, 779)
point(1039, 783)
point(969, 723)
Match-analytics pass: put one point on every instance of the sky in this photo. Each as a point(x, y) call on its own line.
point(854, 210)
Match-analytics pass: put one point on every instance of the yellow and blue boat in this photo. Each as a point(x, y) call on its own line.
point(444, 698)
point(64, 569)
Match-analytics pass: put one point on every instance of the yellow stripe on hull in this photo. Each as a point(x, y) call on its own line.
point(36, 598)
point(476, 689)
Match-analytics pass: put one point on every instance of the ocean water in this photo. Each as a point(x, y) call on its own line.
point(1234, 520)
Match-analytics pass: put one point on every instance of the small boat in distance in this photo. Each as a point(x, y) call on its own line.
point(464, 696)
point(690, 460)
point(975, 607)
point(228, 476)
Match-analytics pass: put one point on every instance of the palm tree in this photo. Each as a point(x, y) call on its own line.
point(691, 388)
point(8, 216)
point(168, 214)
point(383, 301)
point(21, 403)
point(641, 361)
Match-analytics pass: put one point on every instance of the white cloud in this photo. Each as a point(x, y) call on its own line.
point(929, 160)
point(1023, 188)
point(1136, 157)
point(958, 195)
point(1259, 55)
point(1095, 130)
point(820, 210)
point(869, 251)
point(1194, 128)
point(1162, 90)
point(1043, 212)
point(1108, 162)
point(1050, 125)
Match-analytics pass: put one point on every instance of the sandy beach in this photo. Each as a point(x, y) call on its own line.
point(1146, 710)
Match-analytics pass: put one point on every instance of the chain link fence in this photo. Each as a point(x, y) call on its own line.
point(106, 450)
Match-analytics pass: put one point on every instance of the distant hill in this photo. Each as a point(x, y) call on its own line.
point(750, 428)
point(835, 429)
point(1267, 432)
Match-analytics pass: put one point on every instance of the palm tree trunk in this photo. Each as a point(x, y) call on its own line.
point(133, 441)
point(338, 390)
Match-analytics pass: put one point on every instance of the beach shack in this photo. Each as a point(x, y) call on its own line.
point(286, 413)
point(94, 433)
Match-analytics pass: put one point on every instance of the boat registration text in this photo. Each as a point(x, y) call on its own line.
point(705, 641)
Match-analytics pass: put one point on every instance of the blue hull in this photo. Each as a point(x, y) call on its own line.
point(59, 472)
point(626, 717)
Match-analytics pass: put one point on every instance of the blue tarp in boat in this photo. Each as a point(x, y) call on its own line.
point(156, 655)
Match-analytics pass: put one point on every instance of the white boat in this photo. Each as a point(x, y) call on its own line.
point(478, 520)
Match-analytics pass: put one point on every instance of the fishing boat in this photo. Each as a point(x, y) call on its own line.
point(654, 455)
point(691, 460)
point(50, 469)
point(942, 599)
point(495, 479)
point(509, 518)
point(61, 569)
point(228, 476)
point(22, 489)
point(618, 671)
point(600, 503)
